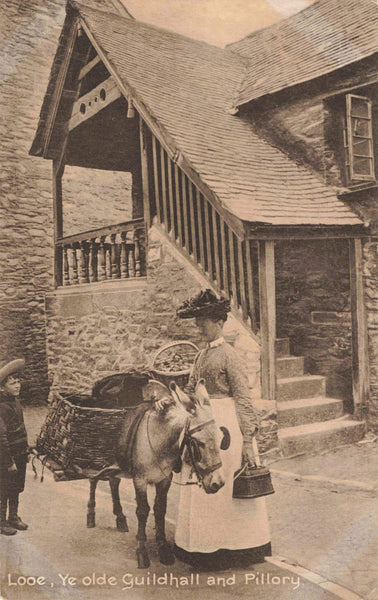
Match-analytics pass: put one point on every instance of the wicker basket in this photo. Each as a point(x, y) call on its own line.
point(179, 353)
point(80, 435)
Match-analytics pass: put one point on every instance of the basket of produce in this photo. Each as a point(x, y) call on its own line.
point(173, 362)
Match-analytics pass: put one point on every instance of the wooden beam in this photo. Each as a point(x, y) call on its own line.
point(91, 103)
point(360, 352)
point(145, 173)
point(88, 67)
point(304, 232)
point(54, 105)
point(267, 319)
point(167, 141)
point(58, 222)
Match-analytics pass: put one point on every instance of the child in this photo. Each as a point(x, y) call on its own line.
point(13, 447)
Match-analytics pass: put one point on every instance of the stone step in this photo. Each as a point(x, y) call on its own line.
point(282, 347)
point(308, 410)
point(303, 386)
point(289, 366)
point(312, 438)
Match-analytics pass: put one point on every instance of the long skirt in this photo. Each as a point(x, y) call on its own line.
point(207, 523)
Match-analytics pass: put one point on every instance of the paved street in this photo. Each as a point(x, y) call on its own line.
point(76, 562)
point(328, 528)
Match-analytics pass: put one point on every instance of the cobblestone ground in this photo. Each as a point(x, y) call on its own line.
point(328, 528)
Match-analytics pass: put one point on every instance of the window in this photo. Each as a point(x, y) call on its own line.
point(358, 139)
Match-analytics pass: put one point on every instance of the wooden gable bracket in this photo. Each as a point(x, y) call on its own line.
point(88, 67)
point(93, 102)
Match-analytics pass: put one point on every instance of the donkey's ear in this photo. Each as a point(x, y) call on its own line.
point(180, 396)
point(200, 393)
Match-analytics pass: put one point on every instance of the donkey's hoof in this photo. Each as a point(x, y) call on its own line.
point(121, 523)
point(166, 555)
point(142, 558)
point(91, 522)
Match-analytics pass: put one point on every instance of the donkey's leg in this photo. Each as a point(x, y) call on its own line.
point(91, 520)
point(166, 555)
point(117, 508)
point(142, 512)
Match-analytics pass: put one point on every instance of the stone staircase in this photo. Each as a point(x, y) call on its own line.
point(308, 421)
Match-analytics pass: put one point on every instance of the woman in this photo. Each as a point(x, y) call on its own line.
point(217, 530)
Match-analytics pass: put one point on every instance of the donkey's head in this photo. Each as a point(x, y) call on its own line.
point(202, 438)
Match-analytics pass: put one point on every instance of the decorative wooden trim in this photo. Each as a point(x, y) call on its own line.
point(304, 232)
point(234, 289)
point(145, 171)
point(91, 103)
point(156, 176)
point(58, 89)
point(226, 287)
point(251, 294)
point(201, 231)
point(180, 226)
point(166, 140)
point(193, 222)
point(102, 232)
point(216, 247)
point(360, 352)
point(163, 172)
point(184, 182)
point(242, 279)
point(57, 173)
point(173, 231)
point(88, 67)
point(210, 266)
point(267, 319)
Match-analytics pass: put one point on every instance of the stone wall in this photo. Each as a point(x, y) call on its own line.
point(94, 331)
point(313, 309)
point(371, 298)
point(29, 32)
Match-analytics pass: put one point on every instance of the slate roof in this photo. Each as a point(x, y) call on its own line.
point(184, 85)
point(326, 36)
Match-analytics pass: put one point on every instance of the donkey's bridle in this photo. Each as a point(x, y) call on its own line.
point(190, 442)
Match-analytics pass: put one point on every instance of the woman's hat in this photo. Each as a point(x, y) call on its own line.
point(204, 304)
point(12, 367)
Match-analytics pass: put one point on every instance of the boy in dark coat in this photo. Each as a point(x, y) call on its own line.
point(13, 448)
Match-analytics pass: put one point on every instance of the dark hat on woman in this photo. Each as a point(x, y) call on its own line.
point(10, 368)
point(204, 304)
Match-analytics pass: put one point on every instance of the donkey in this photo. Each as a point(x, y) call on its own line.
point(174, 428)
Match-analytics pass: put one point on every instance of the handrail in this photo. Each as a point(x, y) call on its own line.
point(101, 232)
point(200, 230)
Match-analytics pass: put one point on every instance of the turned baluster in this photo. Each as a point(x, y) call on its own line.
point(92, 262)
point(130, 254)
point(66, 270)
point(83, 271)
point(108, 262)
point(123, 259)
point(101, 273)
point(137, 253)
point(113, 257)
point(75, 278)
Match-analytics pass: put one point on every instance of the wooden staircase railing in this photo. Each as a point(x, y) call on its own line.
point(198, 229)
point(115, 252)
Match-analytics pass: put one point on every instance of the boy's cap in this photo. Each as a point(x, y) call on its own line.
point(12, 367)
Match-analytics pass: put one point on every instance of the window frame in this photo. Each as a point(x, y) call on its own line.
point(350, 136)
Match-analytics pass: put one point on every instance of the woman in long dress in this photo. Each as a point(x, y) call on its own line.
point(217, 530)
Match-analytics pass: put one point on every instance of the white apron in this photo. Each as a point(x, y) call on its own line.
point(210, 522)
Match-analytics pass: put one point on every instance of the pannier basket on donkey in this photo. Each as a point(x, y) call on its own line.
point(132, 426)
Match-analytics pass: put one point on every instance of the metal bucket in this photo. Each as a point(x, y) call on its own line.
point(252, 482)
